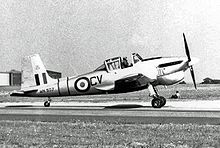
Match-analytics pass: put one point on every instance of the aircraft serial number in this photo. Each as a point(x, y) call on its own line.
point(47, 90)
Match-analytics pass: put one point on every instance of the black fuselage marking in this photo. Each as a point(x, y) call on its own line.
point(99, 79)
point(58, 86)
point(169, 64)
point(67, 84)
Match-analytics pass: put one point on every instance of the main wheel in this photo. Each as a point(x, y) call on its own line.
point(163, 100)
point(156, 103)
point(47, 103)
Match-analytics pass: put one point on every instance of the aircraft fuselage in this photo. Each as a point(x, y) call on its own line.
point(158, 71)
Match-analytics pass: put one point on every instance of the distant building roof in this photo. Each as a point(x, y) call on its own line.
point(207, 79)
point(210, 81)
point(14, 71)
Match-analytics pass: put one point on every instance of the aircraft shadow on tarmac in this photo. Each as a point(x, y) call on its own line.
point(122, 106)
point(127, 106)
point(19, 106)
point(118, 106)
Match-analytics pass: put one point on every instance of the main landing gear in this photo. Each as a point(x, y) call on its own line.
point(47, 103)
point(158, 101)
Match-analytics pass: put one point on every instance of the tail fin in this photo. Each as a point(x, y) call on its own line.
point(37, 75)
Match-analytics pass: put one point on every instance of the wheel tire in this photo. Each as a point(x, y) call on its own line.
point(163, 100)
point(156, 103)
point(47, 104)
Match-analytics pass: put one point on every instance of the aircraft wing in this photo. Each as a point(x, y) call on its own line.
point(134, 81)
point(140, 78)
point(131, 83)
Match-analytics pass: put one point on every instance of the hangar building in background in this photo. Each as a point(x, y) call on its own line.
point(14, 77)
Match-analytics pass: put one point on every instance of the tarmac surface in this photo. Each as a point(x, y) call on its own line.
point(178, 112)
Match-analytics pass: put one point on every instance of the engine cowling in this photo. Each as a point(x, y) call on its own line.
point(170, 79)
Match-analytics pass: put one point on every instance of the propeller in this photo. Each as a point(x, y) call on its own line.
point(189, 59)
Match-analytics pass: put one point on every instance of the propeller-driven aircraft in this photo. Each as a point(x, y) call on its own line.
point(115, 75)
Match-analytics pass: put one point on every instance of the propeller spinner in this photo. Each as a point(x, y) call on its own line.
point(189, 59)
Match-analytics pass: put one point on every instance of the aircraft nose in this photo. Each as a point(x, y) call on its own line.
point(193, 61)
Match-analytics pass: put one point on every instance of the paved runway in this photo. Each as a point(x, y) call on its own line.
point(200, 112)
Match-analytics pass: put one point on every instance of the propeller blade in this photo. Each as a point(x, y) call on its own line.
point(193, 76)
point(189, 59)
point(186, 48)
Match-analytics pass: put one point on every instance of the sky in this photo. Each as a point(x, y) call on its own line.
point(76, 36)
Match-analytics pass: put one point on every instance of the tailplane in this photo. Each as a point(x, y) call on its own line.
point(34, 73)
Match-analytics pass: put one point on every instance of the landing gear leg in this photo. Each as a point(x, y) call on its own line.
point(158, 101)
point(47, 103)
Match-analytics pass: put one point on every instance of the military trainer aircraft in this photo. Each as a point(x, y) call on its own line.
point(115, 75)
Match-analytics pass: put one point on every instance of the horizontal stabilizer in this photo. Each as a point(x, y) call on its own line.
point(23, 93)
point(30, 91)
point(17, 94)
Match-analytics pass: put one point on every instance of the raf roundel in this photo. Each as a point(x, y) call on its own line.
point(82, 84)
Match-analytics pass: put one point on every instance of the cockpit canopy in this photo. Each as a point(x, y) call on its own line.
point(110, 64)
point(113, 64)
point(119, 63)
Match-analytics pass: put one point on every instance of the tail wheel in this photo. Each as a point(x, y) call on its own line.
point(47, 103)
point(156, 103)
